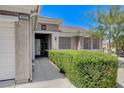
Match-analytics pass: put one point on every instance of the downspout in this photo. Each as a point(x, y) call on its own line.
point(34, 16)
point(33, 24)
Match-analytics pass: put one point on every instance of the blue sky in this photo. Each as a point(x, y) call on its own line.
point(73, 15)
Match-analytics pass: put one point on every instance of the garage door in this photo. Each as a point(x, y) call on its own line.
point(7, 51)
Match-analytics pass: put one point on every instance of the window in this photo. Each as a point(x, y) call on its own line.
point(65, 43)
point(43, 27)
point(87, 43)
point(95, 43)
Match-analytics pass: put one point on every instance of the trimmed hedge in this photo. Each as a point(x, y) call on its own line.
point(86, 68)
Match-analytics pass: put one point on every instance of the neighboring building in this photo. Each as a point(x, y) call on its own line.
point(20, 44)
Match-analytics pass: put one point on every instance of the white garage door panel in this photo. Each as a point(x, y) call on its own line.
point(6, 74)
point(7, 52)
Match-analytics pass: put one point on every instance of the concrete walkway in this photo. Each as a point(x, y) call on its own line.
point(44, 70)
point(56, 83)
point(46, 75)
point(120, 77)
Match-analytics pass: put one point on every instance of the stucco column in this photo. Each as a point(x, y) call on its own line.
point(82, 42)
point(22, 44)
point(91, 43)
point(55, 40)
point(33, 45)
point(30, 49)
point(80, 37)
point(79, 42)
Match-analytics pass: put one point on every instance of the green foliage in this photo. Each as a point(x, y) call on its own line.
point(86, 68)
point(110, 24)
point(120, 42)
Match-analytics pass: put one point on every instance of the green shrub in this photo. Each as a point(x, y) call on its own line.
point(86, 68)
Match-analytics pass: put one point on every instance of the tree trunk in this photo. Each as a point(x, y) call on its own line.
point(117, 51)
point(116, 47)
point(110, 43)
point(109, 51)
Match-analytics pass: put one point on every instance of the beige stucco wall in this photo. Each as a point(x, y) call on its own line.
point(55, 43)
point(91, 43)
point(68, 34)
point(22, 51)
point(52, 27)
point(47, 20)
point(81, 42)
point(49, 27)
point(75, 42)
point(30, 47)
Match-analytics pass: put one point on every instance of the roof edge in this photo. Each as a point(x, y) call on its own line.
point(46, 17)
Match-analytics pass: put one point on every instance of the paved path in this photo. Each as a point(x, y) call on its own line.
point(44, 70)
point(56, 83)
point(121, 71)
point(46, 75)
point(50, 76)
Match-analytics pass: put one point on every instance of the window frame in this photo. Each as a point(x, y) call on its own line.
point(87, 43)
point(64, 42)
point(95, 43)
point(42, 26)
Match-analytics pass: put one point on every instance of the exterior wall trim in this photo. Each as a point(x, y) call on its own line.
point(43, 32)
point(8, 18)
point(16, 8)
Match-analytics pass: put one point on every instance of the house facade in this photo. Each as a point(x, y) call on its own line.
point(50, 34)
point(24, 37)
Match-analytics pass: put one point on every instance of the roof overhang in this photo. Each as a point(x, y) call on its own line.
point(46, 20)
point(18, 8)
point(8, 18)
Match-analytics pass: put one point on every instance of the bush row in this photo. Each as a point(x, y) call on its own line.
point(86, 68)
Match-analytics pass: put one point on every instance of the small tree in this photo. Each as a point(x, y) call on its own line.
point(110, 24)
point(120, 42)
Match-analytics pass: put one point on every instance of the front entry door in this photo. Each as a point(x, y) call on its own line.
point(41, 45)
